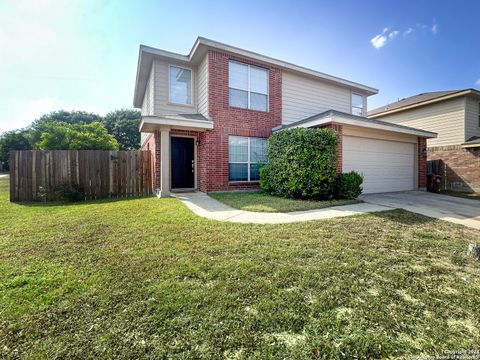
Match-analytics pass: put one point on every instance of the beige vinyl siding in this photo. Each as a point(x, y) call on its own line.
point(161, 105)
point(148, 98)
point(471, 117)
point(303, 97)
point(446, 118)
point(203, 87)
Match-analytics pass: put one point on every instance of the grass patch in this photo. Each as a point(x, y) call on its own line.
point(146, 278)
point(466, 195)
point(263, 202)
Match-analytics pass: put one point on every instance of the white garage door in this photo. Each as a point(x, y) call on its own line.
point(385, 165)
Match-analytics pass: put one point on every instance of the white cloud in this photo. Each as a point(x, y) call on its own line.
point(380, 40)
point(393, 34)
point(477, 82)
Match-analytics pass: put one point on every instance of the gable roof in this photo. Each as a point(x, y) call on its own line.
point(420, 100)
point(339, 117)
point(199, 49)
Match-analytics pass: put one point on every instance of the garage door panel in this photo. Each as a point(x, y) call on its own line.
point(385, 165)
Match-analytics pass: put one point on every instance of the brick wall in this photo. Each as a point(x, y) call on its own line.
point(213, 148)
point(422, 162)
point(339, 131)
point(461, 166)
point(153, 145)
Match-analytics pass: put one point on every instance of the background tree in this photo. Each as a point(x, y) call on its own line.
point(64, 136)
point(123, 124)
point(13, 140)
point(61, 116)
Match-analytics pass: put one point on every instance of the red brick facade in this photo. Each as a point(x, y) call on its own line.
point(153, 144)
point(213, 148)
point(422, 162)
point(212, 145)
point(339, 131)
point(461, 167)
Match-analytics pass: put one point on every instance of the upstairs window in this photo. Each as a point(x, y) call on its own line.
point(357, 105)
point(245, 158)
point(179, 85)
point(247, 86)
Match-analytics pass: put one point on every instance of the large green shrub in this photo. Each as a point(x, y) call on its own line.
point(348, 185)
point(301, 164)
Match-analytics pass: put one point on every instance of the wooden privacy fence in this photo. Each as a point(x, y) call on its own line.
point(96, 173)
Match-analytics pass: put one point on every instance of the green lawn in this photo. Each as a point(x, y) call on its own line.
point(263, 202)
point(466, 195)
point(146, 278)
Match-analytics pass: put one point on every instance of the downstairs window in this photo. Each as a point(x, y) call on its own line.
point(246, 155)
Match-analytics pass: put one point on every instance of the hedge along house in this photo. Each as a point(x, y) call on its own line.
point(206, 117)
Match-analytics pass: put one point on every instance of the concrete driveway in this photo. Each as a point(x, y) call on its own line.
point(444, 207)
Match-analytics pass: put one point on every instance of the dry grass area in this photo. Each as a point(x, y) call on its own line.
point(146, 278)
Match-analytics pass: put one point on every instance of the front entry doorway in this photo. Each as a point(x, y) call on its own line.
point(183, 162)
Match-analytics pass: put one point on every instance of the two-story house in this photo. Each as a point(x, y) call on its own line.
point(206, 117)
point(455, 117)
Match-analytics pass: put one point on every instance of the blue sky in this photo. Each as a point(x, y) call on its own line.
point(83, 54)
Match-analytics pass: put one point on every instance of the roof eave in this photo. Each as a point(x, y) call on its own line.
point(335, 118)
point(143, 53)
point(204, 42)
point(280, 63)
point(470, 145)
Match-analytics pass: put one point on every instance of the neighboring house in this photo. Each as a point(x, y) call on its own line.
point(455, 117)
point(206, 117)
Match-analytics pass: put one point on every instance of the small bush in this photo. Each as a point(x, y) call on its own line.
point(68, 193)
point(61, 192)
point(301, 164)
point(348, 185)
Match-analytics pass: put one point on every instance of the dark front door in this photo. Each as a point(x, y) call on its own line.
point(183, 163)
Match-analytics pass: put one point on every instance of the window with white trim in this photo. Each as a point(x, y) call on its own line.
point(246, 155)
point(357, 105)
point(247, 86)
point(179, 85)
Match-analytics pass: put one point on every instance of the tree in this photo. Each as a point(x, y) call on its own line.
point(123, 124)
point(65, 136)
point(61, 116)
point(13, 140)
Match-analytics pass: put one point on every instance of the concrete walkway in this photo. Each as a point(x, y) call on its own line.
point(207, 207)
point(449, 208)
